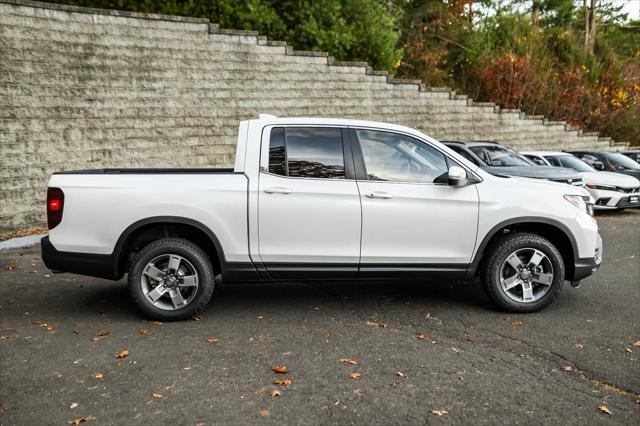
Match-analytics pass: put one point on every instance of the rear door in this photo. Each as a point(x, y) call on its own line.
point(308, 204)
point(413, 222)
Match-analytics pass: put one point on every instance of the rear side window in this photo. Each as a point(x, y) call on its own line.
point(311, 152)
point(464, 153)
point(554, 161)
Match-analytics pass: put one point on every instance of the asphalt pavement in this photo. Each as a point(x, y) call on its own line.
point(426, 353)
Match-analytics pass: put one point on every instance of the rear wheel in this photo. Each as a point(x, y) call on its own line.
point(522, 272)
point(171, 279)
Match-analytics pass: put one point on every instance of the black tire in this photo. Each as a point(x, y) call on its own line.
point(187, 250)
point(497, 255)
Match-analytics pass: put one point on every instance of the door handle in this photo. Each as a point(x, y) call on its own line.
point(379, 194)
point(278, 190)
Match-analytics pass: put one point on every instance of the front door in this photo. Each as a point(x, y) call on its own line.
point(308, 205)
point(413, 222)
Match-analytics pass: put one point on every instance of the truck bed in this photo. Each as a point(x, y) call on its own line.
point(100, 204)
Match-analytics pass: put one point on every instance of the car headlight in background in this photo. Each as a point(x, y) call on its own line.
point(602, 187)
point(584, 203)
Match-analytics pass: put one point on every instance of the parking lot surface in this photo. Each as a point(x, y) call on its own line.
point(429, 352)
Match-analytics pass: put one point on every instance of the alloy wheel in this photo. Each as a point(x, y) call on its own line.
point(526, 275)
point(169, 282)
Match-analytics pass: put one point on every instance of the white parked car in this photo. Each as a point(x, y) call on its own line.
point(609, 190)
point(320, 199)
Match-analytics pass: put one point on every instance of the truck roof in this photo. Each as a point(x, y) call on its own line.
point(267, 120)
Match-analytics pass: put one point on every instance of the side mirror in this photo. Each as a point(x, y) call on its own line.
point(598, 165)
point(457, 176)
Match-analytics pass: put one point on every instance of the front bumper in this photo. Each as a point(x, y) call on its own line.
point(585, 267)
point(611, 200)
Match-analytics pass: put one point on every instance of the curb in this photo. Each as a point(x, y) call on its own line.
point(22, 242)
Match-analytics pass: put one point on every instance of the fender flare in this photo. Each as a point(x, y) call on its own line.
point(125, 237)
point(473, 266)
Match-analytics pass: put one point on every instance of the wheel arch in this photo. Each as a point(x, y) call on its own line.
point(144, 231)
point(553, 230)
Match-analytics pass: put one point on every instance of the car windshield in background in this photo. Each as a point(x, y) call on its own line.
point(499, 156)
point(620, 161)
point(569, 161)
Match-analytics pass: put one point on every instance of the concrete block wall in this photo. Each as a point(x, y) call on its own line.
point(86, 88)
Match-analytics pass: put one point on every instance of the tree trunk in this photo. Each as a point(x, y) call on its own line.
point(589, 26)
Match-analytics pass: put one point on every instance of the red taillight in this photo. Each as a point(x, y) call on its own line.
point(55, 206)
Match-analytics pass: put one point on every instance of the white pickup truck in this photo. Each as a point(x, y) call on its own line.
point(320, 199)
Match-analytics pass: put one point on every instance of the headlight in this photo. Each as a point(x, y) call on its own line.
point(584, 203)
point(602, 187)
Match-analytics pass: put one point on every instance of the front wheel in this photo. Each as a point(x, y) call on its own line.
point(171, 279)
point(522, 273)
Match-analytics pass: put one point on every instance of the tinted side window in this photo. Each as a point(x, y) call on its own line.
point(464, 153)
point(277, 154)
point(539, 161)
point(314, 152)
point(554, 161)
point(393, 157)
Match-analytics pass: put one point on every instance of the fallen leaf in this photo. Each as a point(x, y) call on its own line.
point(73, 405)
point(197, 317)
point(97, 375)
point(278, 369)
point(156, 323)
point(420, 336)
point(354, 375)
point(275, 392)
point(100, 335)
point(10, 267)
point(579, 345)
point(213, 340)
point(283, 382)
point(379, 324)
point(400, 374)
point(567, 368)
point(604, 409)
point(4, 337)
point(264, 413)
point(122, 354)
point(156, 395)
point(628, 350)
point(81, 420)
point(49, 328)
point(440, 412)
point(636, 343)
point(143, 331)
point(517, 322)
point(348, 361)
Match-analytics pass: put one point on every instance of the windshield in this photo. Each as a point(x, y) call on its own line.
point(571, 162)
point(620, 161)
point(499, 156)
